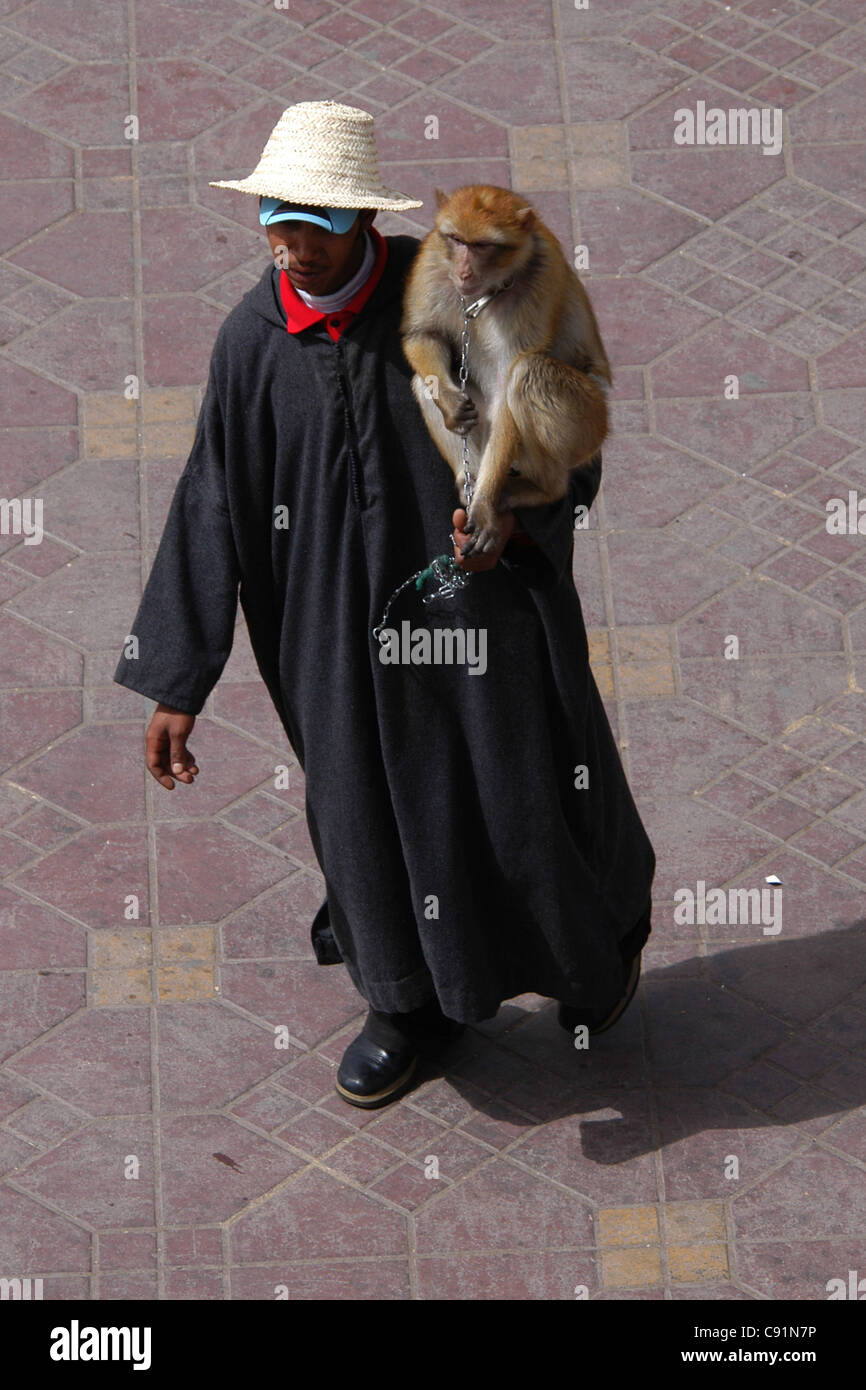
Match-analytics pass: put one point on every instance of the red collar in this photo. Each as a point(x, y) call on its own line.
point(300, 315)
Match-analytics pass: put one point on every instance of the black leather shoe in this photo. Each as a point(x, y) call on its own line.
point(598, 1021)
point(371, 1075)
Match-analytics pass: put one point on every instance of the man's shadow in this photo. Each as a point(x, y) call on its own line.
point(768, 1034)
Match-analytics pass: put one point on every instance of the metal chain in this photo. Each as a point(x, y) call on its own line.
point(464, 376)
point(444, 570)
point(471, 311)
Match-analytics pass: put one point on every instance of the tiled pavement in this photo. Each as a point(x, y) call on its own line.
point(156, 1137)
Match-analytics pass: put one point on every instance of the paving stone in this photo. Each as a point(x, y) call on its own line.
point(548, 1276)
point(815, 1194)
point(278, 924)
point(36, 938)
point(90, 254)
point(316, 1216)
point(631, 1268)
point(32, 1002)
point(693, 1263)
point(193, 885)
point(689, 1222)
point(213, 1167)
point(44, 1121)
point(540, 157)
point(797, 1269)
point(102, 1175)
point(36, 1238)
point(100, 1062)
point(484, 1212)
point(628, 1226)
point(92, 877)
point(209, 1055)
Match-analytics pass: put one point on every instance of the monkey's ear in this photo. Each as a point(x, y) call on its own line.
point(441, 198)
point(527, 217)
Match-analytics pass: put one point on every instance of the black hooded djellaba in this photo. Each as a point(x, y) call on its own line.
point(464, 854)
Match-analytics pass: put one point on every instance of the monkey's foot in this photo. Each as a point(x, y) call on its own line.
point(459, 411)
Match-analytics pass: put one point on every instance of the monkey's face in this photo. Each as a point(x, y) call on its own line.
point(476, 265)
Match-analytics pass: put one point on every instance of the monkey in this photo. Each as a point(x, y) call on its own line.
point(535, 405)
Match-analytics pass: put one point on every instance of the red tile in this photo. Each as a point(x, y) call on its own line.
point(87, 104)
point(27, 657)
point(796, 1269)
point(26, 396)
point(100, 31)
point(207, 871)
point(100, 1062)
point(178, 99)
point(489, 1211)
point(179, 334)
point(209, 1055)
point(35, 1238)
point(696, 52)
point(200, 1245)
point(317, 1217)
point(86, 1176)
point(532, 19)
point(213, 1167)
point(331, 1281)
point(127, 1249)
point(606, 80)
point(278, 925)
point(91, 876)
point(814, 1195)
point(163, 28)
point(709, 182)
point(35, 938)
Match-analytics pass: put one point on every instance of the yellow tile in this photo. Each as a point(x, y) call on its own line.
point(604, 680)
point(599, 172)
point(119, 443)
point(628, 1226)
point(598, 155)
point(168, 440)
point(177, 982)
point(539, 157)
point(697, 1264)
point(599, 660)
point(641, 679)
point(186, 944)
point(694, 1221)
point(596, 138)
point(174, 403)
point(631, 1269)
point(112, 950)
point(108, 408)
point(111, 987)
point(643, 643)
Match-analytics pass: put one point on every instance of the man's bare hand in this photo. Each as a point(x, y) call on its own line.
point(473, 563)
point(167, 752)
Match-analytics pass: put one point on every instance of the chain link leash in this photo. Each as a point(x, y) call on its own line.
point(444, 571)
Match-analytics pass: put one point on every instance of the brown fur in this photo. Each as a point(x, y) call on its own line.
point(537, 368)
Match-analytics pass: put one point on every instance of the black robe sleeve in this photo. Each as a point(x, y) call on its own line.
point(186, 618)
point(551, 527)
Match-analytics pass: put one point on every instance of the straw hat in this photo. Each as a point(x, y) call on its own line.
point(322, 154)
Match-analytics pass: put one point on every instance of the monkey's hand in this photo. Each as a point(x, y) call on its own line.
point(486, 526)
point(488, 561)
point(459, 411)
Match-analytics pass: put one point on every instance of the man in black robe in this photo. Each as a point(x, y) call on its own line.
point(471, 817)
